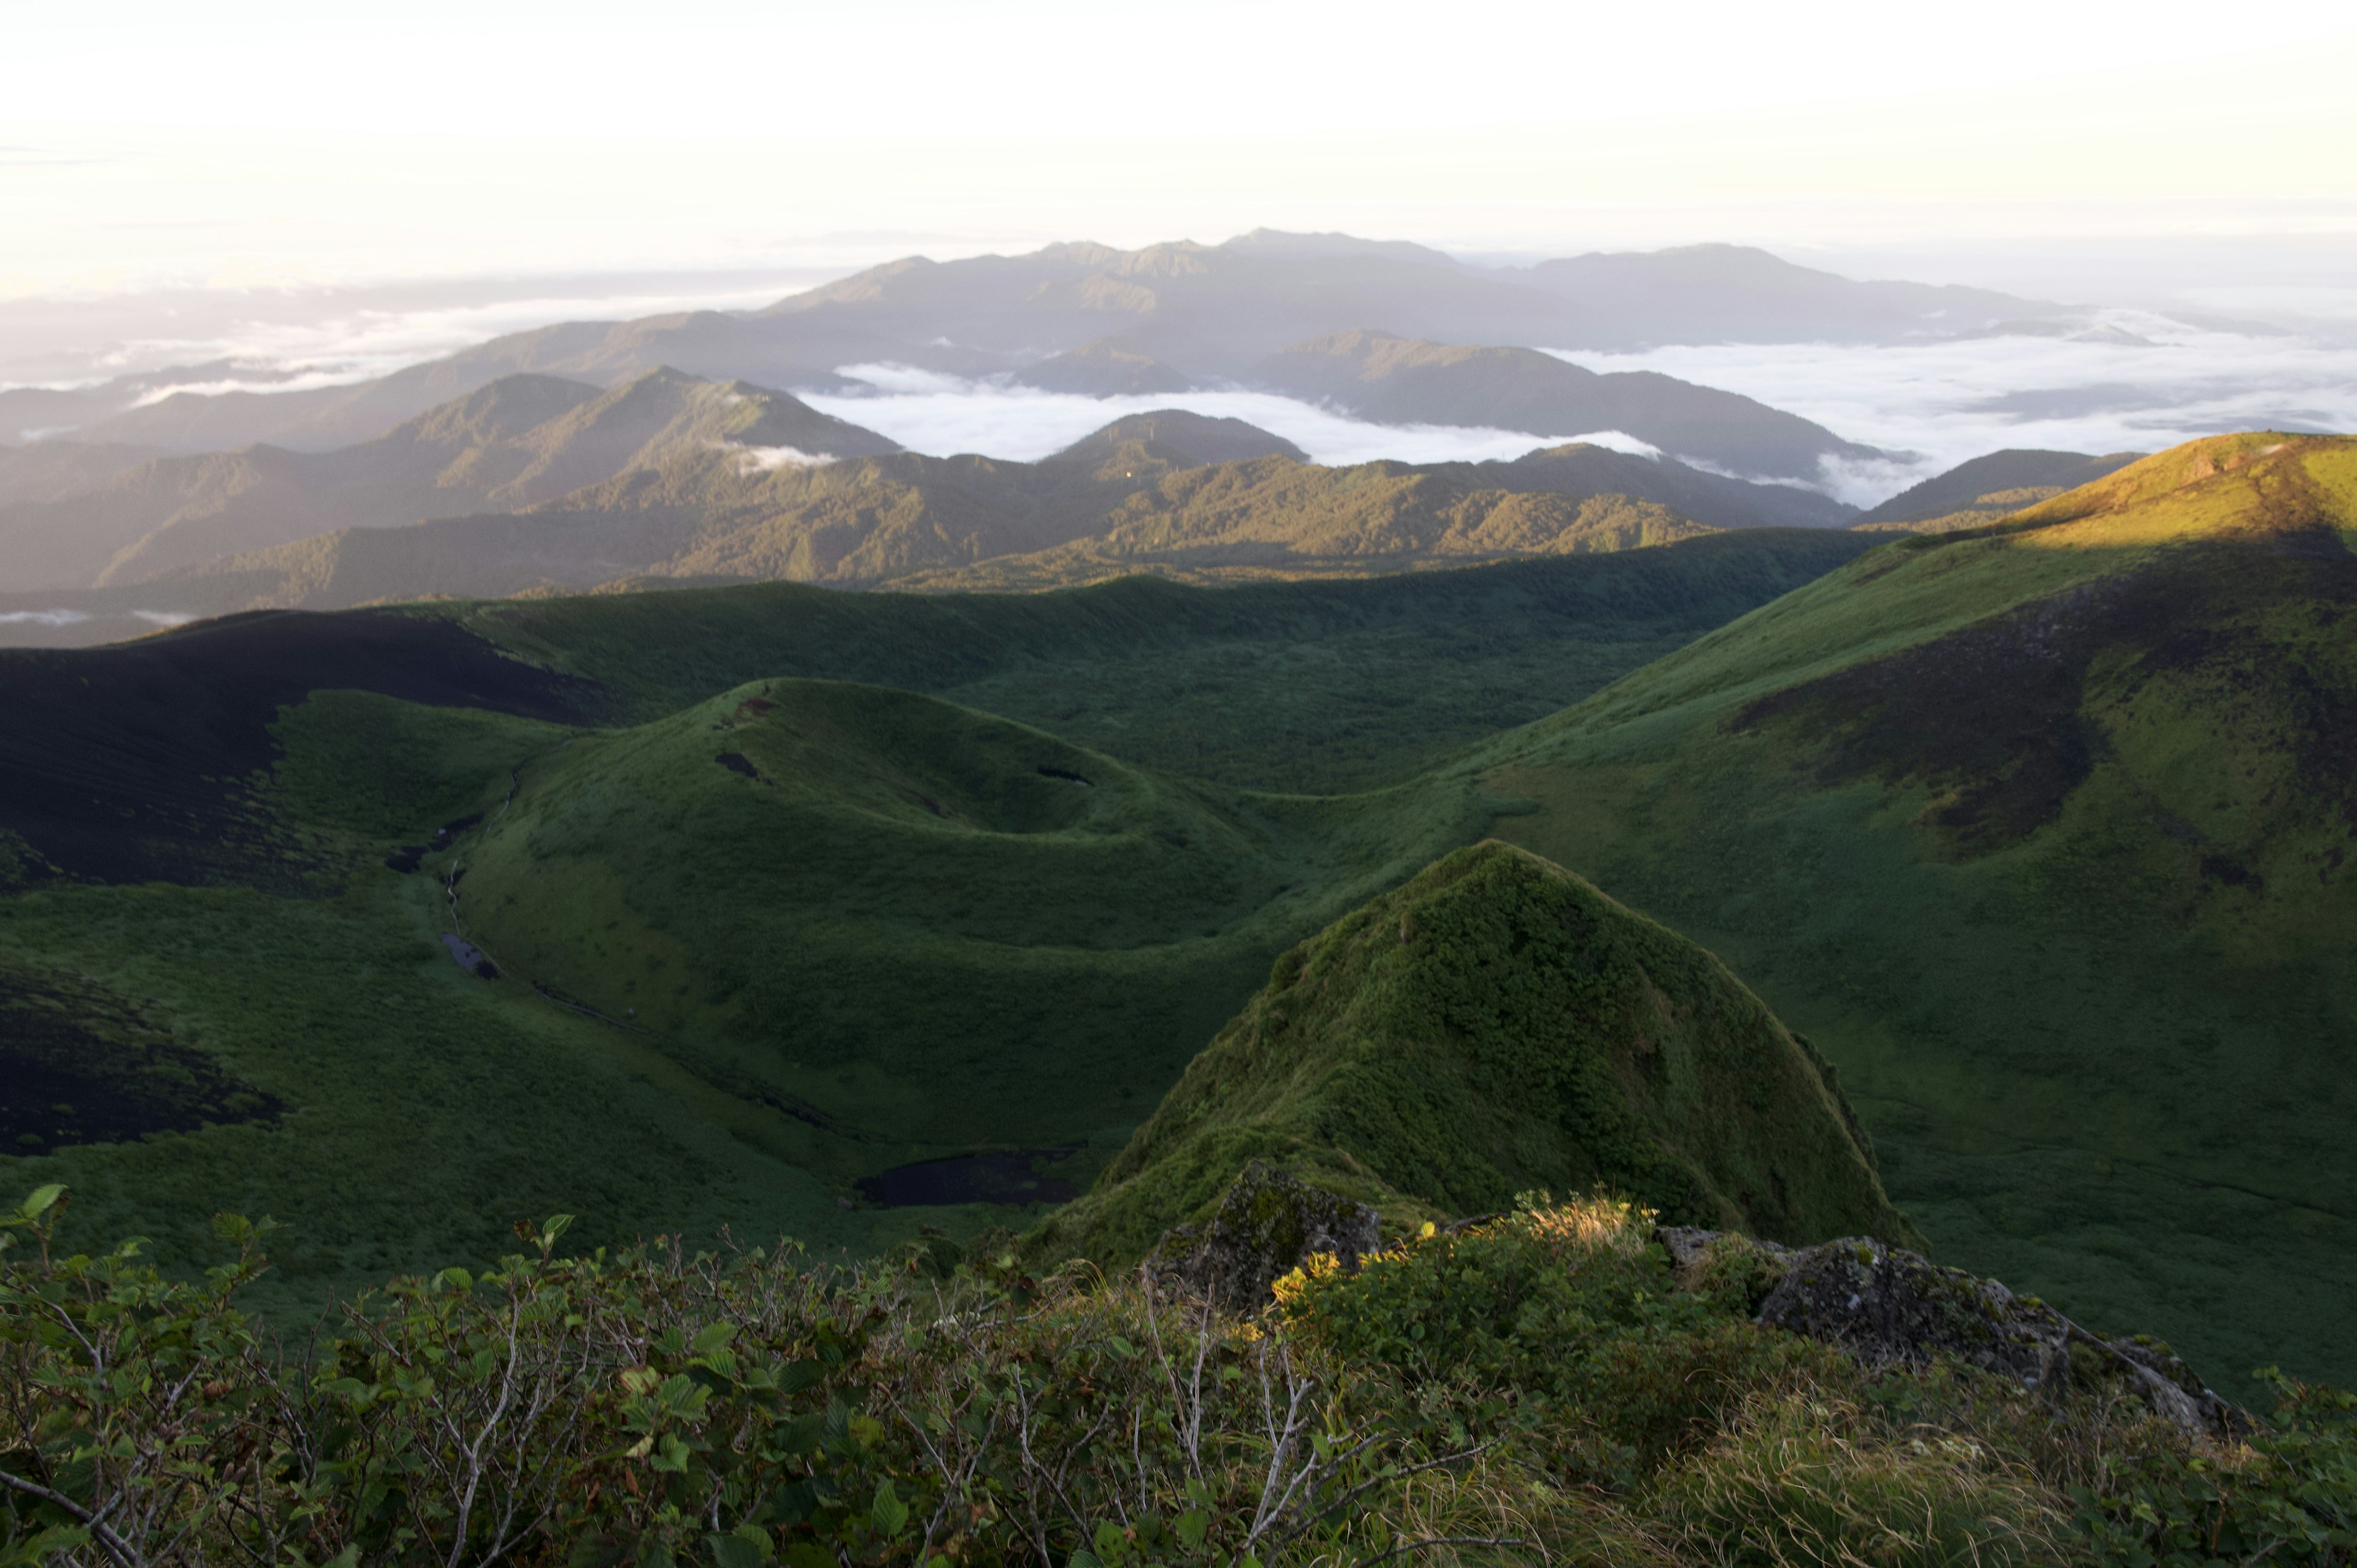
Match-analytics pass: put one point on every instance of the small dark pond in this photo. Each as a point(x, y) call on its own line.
point(970, 1178)
point(738, 762)
point(469, 957)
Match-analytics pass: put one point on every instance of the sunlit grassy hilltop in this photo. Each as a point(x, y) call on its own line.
point(2038, 831)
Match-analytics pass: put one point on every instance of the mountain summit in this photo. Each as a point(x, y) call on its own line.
point(1494, 1027)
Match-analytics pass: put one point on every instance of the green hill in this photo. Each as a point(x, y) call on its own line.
point(1313, 686)
point(216, 992)
point(1986, 488)
point(886, 919)
point(2038, 830)
point(1495, 1027)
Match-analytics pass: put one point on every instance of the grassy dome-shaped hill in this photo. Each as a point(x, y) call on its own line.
point(1493, 1025)
point(915, 928)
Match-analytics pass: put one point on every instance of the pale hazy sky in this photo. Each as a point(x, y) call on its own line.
point(144, 143)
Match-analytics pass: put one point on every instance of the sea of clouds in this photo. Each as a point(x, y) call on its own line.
point(2149, 382)
point(942, 414)
point(2137, 382)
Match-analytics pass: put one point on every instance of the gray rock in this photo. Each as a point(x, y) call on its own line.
point(1266, 1223)
point(1884, 1306)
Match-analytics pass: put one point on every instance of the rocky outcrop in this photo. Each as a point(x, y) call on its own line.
point(1884, 1305)
point(1266, 1223)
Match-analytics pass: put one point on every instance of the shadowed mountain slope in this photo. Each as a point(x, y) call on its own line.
point(521, 440)
point(1736, 294)
point(2041, 831)
point(1496, 1027)
point(1988, 488)
point(1103, 369)
point(47, 470)
point(1398, 380)
point(1108, 507)
point(1189, 440)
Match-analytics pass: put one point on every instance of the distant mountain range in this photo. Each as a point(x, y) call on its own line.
point(541, 484)
point(669, 480)
point(1102, 322)
point(521, 440)
point(1401, 380)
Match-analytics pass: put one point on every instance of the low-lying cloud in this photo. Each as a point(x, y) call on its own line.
point(43, 618)
point(769, 460)
point(1940, 403)
point(941, 414)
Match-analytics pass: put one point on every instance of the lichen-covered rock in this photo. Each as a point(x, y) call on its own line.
point(1882, 1305)
point(1265, 1224)
point(1729, 1267)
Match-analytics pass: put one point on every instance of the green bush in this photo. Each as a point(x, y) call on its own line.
point(1536, 1386)
point(2287, 1496)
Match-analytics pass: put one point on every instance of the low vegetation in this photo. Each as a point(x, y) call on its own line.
point(2038, 831)
point(1533, 1388)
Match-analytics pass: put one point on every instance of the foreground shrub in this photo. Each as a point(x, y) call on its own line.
point(2288, 1494)
point(1559, 1325)
point(648, 1408)
point(1532, 1389)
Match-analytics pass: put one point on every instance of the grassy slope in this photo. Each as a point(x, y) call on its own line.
point(903, 928)
point(428, 1109)
point(2038, 832)
point(1493, 1026)
point(1302, 686)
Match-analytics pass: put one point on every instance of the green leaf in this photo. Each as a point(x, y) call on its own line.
point(1191, 1527)
point(715, 1338)
point(889, 1512)
point(747, 1546)
point(799, 1438)
point(1084, 1559)
point(43, 1198)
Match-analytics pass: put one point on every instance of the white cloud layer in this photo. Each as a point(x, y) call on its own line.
point(769, 460)
point(941, 414)
point(1942, 403)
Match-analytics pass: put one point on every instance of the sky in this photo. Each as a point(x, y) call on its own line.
point(340, 191)
point(146, 145)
